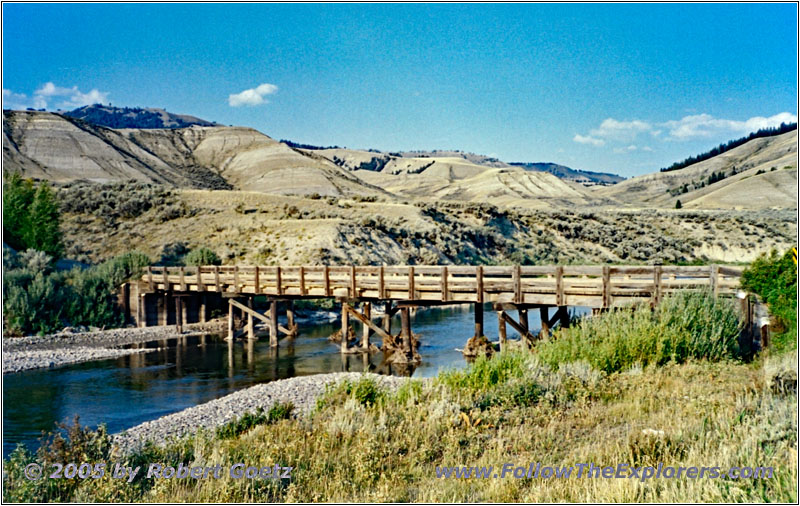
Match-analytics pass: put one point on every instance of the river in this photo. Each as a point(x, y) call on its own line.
point(182, 372)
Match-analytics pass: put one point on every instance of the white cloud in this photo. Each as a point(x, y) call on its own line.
point(71, 97)
point(13, 100)
point(588, 139)
point(48, 92)
point(628, 149)
point(705, 125)
point(253, 96)
point(622, 134)
point(612, 129)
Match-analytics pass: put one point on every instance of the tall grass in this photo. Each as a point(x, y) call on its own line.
point(685, 325)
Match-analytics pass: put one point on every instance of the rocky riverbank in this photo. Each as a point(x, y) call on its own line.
point(301, 391)
point(64, 348)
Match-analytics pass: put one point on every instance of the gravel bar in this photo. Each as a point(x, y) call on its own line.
point(301, 391)
point(64, 348)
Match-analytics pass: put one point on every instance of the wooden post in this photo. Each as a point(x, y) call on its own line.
point(444, 283)
point(163, 309)
point(606, 286)
point(523, 319)
point(479, 283)
point(564, 318)
point(236, 279)
point(544, 315)
point(559, 285)
point(126, 302)
point(367, 311)
point(216, 278)
point(327, 281)
point(353, 281)
point(517, 277)
point(273, 323)
point(179, 315)
point(251, 334)
point(182, 272)
point(501, 329)
point(478, 320)
point(405, 332)
point(290, 318)
point(278, 280)
point(381, 285)
point(411, 282)
point(714, 279)
point(302, 280)
point(257, 281)
point(387, 317)
point(198, 279)
point(141, 310)
point(230, 321)
point(656, 285)
point(184, 311)
point(345, 327)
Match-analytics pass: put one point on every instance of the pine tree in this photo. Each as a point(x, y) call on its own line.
point(678, 204)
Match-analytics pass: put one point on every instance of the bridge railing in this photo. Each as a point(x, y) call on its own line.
point(594, 286)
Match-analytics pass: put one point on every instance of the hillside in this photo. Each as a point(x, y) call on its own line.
point(761, 173)
point(415, 162)
point(49, 146)
point(134, 117)
point(585, 177)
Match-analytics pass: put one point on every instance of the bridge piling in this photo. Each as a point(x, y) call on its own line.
point(273, 323)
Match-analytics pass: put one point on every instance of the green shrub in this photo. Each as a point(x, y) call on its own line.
point(278, 411)
point(36, 300)
point(685, 325)
point(485, 373)
point(69, 444)
point(773, 277)
point(201, 256)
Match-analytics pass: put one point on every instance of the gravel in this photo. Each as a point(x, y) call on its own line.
point(64, 348)
point(301, 391)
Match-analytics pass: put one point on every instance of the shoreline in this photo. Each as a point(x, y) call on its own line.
point(67, 348)
point(301, 391)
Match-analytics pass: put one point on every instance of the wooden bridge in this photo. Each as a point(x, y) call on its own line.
point(509, 288)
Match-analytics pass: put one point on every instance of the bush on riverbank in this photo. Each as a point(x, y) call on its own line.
point(685, 325)
point(774, 278)
point(38, 299)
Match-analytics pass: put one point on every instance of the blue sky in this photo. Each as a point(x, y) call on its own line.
point(617, 87)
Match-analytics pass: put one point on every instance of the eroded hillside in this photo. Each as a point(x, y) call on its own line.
point(48, 146)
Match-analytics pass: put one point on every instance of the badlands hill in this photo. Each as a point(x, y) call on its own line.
point(134, 117)
point(759, 174)
point(49, 146)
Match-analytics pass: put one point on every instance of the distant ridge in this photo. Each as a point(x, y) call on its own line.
point(134, 117)
point(579, 176)
point(722, 148)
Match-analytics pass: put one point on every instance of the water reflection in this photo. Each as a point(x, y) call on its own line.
point(173, 374)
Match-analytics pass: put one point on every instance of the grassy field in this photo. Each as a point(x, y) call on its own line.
point(697, 406)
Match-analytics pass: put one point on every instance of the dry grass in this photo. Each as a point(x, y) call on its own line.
point(365, 446)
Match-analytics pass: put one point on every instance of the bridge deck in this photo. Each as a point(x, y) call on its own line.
point(594, 286)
